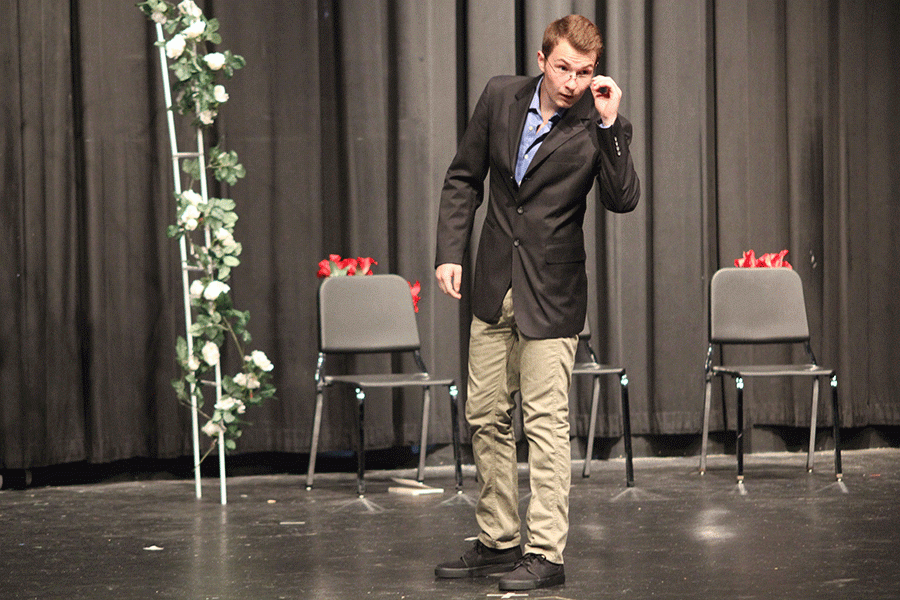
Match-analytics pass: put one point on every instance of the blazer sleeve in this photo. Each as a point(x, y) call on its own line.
point(463, 190)
point(620, 188)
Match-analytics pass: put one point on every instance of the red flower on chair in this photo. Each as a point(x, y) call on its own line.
point(414, 289)
point(749, 260)
point(335, 266)
point(364, 265)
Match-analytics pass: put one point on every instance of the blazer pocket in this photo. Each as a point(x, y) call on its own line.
point(565, 253)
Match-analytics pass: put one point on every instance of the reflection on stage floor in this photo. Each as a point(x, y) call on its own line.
point(783, 534)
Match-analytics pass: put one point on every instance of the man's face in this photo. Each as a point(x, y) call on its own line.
point(567, 75)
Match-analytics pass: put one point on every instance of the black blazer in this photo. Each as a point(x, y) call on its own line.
point(532, 238)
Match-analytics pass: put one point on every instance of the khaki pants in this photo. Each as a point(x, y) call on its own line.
point(502, 361)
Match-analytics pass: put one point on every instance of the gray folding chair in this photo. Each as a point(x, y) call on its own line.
point(763, 306)
point(365, 315)
point(596, 370)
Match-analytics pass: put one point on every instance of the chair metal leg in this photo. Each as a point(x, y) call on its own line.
point(361, 449)
point(589, 452)
point(626, 431)
point(454, 426)
point(739, 384)
point(314, 444)
point(838, 471)
point(426, 411)
point(705, 436)
point(813, 419)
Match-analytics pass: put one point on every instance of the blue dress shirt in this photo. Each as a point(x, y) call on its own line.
point(532, 138)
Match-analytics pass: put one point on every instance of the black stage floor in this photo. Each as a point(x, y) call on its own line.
point(785, 534)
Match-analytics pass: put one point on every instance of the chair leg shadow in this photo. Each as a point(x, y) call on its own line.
point(634, 494)
point(362, 504)
point(460, 497)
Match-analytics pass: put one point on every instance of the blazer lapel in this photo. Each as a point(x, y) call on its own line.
point(574, 121)
point(517, 111)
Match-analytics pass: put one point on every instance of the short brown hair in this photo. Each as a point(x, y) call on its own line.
point(579, 31)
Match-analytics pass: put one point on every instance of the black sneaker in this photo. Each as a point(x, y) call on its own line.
point(531, 572)
point(479, 561)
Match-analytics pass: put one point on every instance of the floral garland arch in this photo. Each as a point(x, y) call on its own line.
point(207, 227)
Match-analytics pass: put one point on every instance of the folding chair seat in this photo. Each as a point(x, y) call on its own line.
point(367, 315)
point(763, 306)
point(596, 370)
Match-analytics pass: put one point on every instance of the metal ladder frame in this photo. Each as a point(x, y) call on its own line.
point(187, 268)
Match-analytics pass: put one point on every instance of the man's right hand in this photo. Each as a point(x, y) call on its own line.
point(449, 278)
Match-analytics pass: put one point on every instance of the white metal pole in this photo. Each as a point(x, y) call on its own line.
point(223, 495)
point(204, 193)
point(185, 282)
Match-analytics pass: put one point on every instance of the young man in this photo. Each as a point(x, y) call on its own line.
point(545, 141)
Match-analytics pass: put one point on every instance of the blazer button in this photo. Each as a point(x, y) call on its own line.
point(516, 242)
point(520, 210)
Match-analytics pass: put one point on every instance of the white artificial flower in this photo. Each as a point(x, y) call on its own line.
point(214, 60)
point(213, 429)
point(261, 360)
point(190, 212)
point(247, 381)
point(210, 354)
point(215, 289)
point(193, 363)
point(190, 217)
point(226, 403)
point(175, 46)
point(190, 9)
point(226, 239)
point(207, 116)
point(159, 17)
point(196, 289)
point(220, 94)
point(193, 197)
point(195, 30)
point(230, 246)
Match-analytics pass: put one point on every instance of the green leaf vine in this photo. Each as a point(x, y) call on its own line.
point(207, 226)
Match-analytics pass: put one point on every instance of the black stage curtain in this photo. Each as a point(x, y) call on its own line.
point(759, 124)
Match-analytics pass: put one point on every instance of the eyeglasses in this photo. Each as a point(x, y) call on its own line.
point(565, 72)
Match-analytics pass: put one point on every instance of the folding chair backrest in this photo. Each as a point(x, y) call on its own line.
point(585, 334)
point(757, 305)
point(367, 313)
